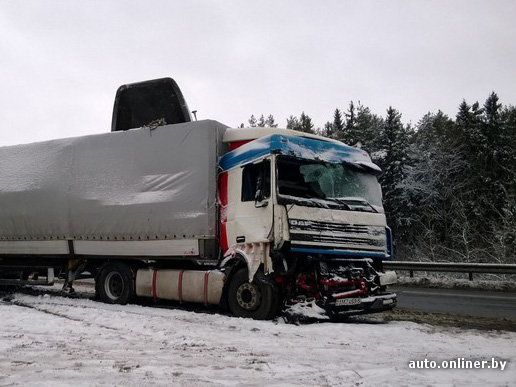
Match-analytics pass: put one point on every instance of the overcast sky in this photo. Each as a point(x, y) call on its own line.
point(62, 61)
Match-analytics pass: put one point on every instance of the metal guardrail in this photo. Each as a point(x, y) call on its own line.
point(470, 268)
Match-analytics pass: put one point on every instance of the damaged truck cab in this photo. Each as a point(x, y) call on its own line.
point(304, 215)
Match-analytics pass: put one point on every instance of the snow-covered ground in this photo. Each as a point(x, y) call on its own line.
point(446, 281)
point(54, 341)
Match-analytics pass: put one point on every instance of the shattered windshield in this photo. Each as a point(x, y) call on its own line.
point(317, 184)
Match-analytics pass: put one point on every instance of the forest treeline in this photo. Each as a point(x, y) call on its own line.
point(449, 184)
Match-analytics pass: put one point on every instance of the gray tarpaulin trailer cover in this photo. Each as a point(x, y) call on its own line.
point(143, 184)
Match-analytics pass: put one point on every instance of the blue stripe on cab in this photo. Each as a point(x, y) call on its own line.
point(299, 147)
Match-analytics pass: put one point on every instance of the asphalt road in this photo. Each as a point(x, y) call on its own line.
point(475, 303)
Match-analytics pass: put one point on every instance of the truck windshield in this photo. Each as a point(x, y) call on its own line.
point(317, 184)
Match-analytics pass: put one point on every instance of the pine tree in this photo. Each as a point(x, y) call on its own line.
point(261, 121)
point(327, 131)
point(395, 146)
point(349, 134)
point(492, 109)
point(269, 122)
point(306, 124)
point(337, 125)
point(494, 154)
point(293, 123)
point(252, 121)
point(369, 128)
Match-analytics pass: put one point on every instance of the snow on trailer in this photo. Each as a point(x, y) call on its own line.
point(141, 188)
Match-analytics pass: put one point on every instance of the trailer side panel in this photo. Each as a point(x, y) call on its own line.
point(142, 184)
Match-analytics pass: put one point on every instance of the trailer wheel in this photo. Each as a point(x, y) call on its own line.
point(256, 299)
point(115, 284)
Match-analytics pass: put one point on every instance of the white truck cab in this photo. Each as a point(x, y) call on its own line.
point(308, 209)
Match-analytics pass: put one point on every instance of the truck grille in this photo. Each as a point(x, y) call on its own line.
point(346, 237)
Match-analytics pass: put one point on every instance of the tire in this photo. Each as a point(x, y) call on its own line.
point(115, 283)
point(257, 299)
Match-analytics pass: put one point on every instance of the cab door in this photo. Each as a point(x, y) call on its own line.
point(250, 214)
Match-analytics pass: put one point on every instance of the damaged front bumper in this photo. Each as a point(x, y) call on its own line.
point(348, 304)
point(353, 306)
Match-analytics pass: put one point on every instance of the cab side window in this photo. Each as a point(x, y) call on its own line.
point(256, 177)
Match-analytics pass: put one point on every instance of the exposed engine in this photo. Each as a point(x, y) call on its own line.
point(338, 286)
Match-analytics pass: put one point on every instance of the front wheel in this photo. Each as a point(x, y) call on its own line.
point(256, 299)
point(115, 284)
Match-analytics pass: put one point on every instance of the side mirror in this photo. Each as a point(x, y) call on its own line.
point(258, 200)
point(258, 197)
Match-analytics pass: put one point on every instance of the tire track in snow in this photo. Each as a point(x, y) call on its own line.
point(39, 309)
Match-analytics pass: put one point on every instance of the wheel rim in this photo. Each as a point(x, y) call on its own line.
point(114, 285)
point(248, 296)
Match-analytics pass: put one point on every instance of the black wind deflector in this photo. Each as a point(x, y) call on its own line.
point(150, 103)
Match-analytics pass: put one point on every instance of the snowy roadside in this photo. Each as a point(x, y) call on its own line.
point(51, 340)
point(442, 281)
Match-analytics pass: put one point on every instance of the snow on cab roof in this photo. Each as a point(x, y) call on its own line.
point(299, 147)
point(246, 134)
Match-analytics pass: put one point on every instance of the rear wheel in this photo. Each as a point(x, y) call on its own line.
point(115, 284)
point(256, 299)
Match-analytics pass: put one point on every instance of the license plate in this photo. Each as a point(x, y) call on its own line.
point(347, 301)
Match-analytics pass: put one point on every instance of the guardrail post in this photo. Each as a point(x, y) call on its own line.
point(470, 276)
